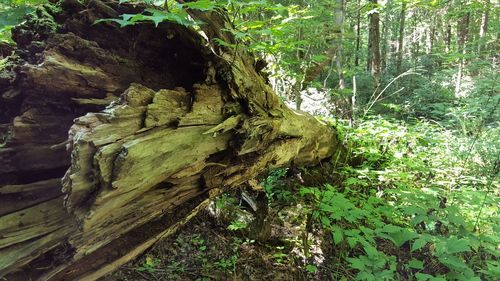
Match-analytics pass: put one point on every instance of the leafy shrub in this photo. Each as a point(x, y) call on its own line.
point(415, 207)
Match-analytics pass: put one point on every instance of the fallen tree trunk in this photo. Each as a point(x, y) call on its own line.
point(159, 121)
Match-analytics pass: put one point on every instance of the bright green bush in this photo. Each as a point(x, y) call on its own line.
point(423, 205)
point(419, 206)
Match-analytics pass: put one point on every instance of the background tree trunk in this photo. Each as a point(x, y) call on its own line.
point(463, 32)
point(432, 35)
point(339, 22)
point(358, 32)
point(448, 38)
point(374, 44)
point(158, 123)
point(483, 29)
point(299, 87)
point(385, 37)
point(415, 41)
point(400, 50)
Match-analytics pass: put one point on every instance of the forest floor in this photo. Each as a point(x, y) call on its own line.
point(205, 249)
point(202, 250)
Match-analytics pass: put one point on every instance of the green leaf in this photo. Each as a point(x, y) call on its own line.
point(236, 225)
point(319, 58)
point(202, 5)
point(311, 268)
point(423, 276)
point(337, 234)
point(223, 43)
point(454, 245)
point(418, 219)
point(416, 264)
point(352, 241)
point(356, 263)
point(158, 16)
point(121, 22)
point(363, 275)
point(403, 236)
point(254, 24)
point(371, 251)
point(419, 243)
point(325, 221)
point(149, 261)
point(493, 268)
point(439, 278)
point(351, 181)
point(453, 263)
point(390, 228)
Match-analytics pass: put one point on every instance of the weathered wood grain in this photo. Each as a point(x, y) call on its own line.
point(18, 197)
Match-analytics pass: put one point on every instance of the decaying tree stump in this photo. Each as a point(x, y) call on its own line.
point(159, 120)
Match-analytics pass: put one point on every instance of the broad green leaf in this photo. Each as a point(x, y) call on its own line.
point(416, 264)
point(418, 219)
point(254, 24)
point(454, 245)
point(158, 16)
point(419, 243)
point(351, 181)
point(325, 221)
point(352, 241)
point(453, 262)
point(121, 22)
point(202, 5)
point(364, 275)
point(390, 228)
point(370, 251)
point(319, 58)
point(311, 268)
point(224, 43)
point(423, 276)
point(337, 234)
point(402, 236)
point(356, 263)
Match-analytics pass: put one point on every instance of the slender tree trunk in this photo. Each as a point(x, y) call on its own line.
point(158, 123)
point(483, 29)
point(415, 37)
point(448, 38)
point(400, 50)
point(299, 84)
point(462, 34)
point(432, 34)
point(353, 100)
point(358, 32)
point(374, 44)
point(344, 103)
point(385, 36)
point(439, 32)
point(339, 22)
point(369, 48)
point(340, 71)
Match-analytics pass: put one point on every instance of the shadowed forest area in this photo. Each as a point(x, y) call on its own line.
point(249, 140)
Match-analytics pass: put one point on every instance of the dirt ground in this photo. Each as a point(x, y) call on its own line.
point(205, 249)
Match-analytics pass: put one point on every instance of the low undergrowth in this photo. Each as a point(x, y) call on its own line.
point(423, 205)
